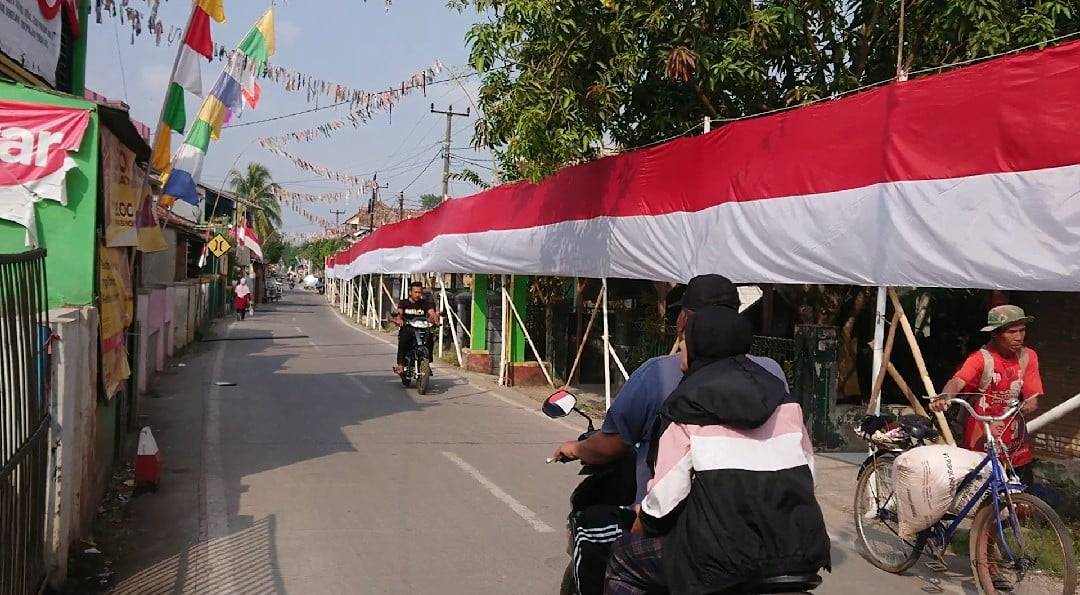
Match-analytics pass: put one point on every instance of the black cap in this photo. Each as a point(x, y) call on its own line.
point(709, 290)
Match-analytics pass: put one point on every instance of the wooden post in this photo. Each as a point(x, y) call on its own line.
point(920, 363)
point(528, 337)
point(584, 339)
point(904, 388)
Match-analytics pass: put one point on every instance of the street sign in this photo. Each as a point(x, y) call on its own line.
point(219, 245)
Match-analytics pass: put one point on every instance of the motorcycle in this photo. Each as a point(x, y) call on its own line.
point(600, 513)
point(418, 360)
point(600, 508)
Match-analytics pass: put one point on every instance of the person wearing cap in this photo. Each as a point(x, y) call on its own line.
point(1001, 371)
point(629, 423)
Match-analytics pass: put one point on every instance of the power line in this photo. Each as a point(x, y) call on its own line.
point(422, 172)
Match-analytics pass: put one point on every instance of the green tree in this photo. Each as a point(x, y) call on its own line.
point(256, 185)
point(317, 250)
point(430, 201)
point(563, 80)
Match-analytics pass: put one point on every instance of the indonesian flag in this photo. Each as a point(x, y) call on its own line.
point(247, 237)
point(34, 144)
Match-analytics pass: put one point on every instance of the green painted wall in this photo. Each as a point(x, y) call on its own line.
point(479, 319)
point(519, 292)
point(66, 232)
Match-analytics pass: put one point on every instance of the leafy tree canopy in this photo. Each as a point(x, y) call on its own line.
point(317, 250)
point(429, 201)
point(564, 79)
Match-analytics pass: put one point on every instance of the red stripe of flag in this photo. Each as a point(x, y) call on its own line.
point(198, 34)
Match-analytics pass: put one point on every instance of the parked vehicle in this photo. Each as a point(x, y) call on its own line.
point(418, 360)
point(320, 286)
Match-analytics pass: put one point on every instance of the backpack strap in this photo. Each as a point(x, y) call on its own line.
point(988, 369)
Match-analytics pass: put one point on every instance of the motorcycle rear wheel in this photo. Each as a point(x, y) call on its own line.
point(424, 378)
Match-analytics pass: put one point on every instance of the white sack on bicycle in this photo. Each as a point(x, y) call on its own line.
point(926, 480)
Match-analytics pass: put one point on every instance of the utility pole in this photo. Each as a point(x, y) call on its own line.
point(401, 205)
point(449, 113)
point(337, 216)
point(375, 186)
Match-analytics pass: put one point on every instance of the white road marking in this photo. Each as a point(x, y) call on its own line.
point(298, 328)
point(215, 521)
point(357, 382)
point(519, 508)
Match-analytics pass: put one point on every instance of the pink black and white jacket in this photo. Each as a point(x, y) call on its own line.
point(733, 488)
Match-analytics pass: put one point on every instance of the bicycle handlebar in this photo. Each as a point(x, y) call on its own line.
point(1014, 406)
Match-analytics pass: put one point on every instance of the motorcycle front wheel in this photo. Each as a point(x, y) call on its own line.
point(424, 378)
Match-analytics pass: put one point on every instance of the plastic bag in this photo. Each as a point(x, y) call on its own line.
point(926, 480)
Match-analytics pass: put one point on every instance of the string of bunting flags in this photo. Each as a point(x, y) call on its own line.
point(325, 172)
point(326, 197)
point(309, 217)
point(290, 79)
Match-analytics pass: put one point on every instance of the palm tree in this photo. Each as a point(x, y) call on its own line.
point(257, 187)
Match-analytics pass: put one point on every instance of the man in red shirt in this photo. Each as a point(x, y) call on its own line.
point(1001, 371)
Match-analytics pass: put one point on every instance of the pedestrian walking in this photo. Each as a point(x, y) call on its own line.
point(242, 298)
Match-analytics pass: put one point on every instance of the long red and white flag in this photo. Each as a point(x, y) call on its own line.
point(35, 142)
point(967, 178)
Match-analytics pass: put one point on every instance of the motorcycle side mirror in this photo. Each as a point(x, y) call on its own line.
point(559, 404)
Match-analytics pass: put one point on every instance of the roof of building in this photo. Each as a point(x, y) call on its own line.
point(384, 215)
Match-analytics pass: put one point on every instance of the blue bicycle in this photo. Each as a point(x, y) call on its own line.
point(1017, 543)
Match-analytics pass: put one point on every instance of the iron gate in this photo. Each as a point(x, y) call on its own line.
point(24, 422)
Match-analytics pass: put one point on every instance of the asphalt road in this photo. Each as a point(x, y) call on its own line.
point(318, 473)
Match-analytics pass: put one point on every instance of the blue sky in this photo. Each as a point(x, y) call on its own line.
point(358, 44)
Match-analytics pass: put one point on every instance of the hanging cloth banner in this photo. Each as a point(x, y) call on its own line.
point(114, 283)
point(119, 184)
point(34, 144)
point(963, 179)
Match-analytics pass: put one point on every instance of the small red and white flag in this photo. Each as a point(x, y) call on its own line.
point(246, 236)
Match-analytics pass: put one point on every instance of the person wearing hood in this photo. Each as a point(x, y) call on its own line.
point(732, 498)
point(241, 298)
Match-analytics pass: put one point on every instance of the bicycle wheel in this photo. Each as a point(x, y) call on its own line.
point(876, 521)
point(1042, 557)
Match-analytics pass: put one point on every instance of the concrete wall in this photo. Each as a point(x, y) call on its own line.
point(160, 267)
point(67, 232)
point(75, 467)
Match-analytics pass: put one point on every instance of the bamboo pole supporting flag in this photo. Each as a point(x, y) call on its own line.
point(920, 363)
point(528, 337)
point(584, 339)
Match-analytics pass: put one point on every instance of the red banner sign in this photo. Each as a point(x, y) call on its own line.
point(34, 144)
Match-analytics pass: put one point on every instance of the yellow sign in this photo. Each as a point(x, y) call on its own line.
point(219, 245)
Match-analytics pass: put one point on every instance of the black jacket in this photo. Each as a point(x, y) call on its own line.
point(734, 490)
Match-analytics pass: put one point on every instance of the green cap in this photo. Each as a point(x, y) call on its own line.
point(1003, 316)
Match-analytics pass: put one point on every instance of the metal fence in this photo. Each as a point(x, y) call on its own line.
point(24, 421)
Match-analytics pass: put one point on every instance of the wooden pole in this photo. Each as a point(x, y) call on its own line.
point(528, 338)
point(904, 388)
point(920, 363)
point(584, 340)
point(872, 407)
point(607, 352)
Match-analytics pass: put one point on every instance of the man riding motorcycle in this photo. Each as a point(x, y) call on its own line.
point(416, 306)
point(629, 423)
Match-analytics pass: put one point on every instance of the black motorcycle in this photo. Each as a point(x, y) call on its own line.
point(600, 513)
point(600, 509)
point(418, 359)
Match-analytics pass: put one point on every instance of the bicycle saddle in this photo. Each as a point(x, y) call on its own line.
point(918, 427)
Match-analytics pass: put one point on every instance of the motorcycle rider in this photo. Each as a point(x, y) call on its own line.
point(629, 422)
point(416, 306)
